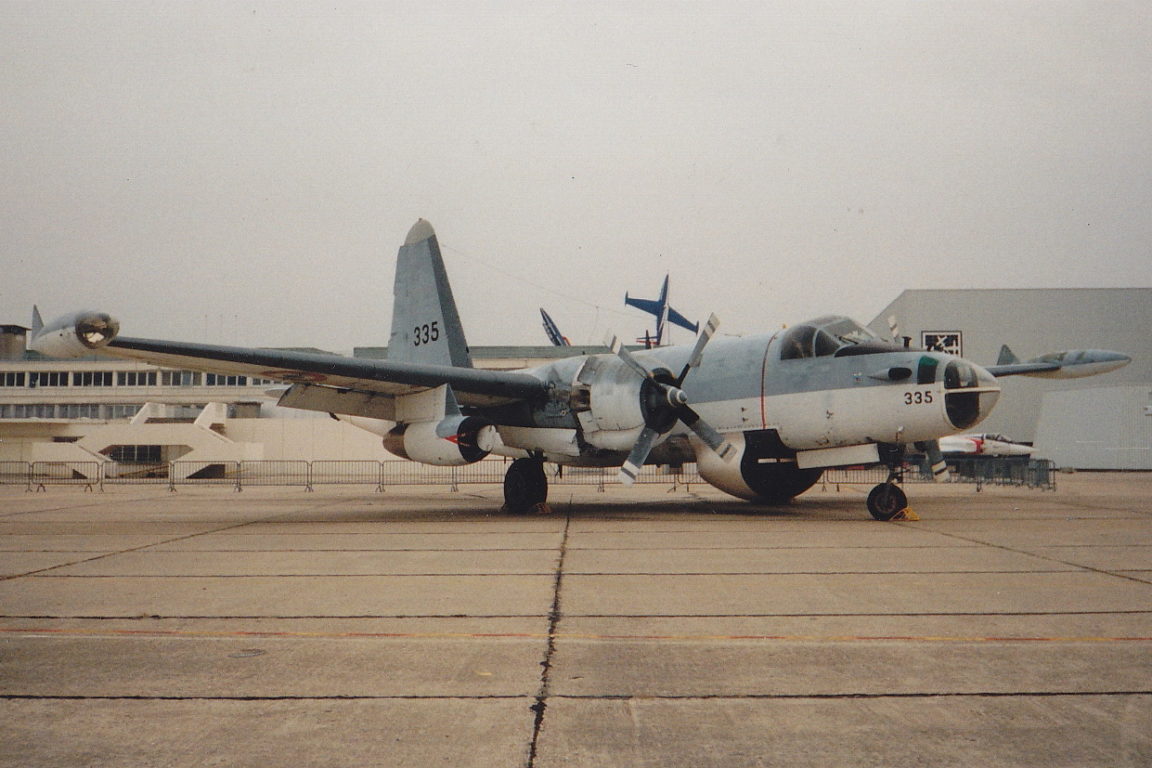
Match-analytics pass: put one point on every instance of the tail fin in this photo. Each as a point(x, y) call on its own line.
point(1007, 357)
point(425, 324)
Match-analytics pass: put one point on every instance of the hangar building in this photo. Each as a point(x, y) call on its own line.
point(1102, 422)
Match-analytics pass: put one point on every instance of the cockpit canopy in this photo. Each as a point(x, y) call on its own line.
point(824, 337)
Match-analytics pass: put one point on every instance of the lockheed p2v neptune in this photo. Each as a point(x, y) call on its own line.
point(762, 416)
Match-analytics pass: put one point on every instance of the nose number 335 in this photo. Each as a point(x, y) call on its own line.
point(917, 398)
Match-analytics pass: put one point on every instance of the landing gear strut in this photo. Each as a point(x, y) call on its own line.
point(525, 487)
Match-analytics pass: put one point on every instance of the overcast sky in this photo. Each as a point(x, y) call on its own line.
point(245, 172)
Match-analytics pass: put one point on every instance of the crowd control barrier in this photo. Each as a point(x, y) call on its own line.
point(93, 475)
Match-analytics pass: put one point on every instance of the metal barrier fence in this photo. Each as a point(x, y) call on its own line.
point(136, 474)
point(1015, 471)
point(329, 472)
point(979, 471)
point(1032, 473)
point(14, 472)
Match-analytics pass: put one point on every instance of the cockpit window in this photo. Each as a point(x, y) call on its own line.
point(824, 344)
point(797, 342)
point(822, 337)
point(959, 375)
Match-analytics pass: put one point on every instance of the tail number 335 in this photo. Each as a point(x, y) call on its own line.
point(426, 334)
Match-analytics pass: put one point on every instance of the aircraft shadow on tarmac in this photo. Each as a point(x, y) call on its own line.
point(402, 508)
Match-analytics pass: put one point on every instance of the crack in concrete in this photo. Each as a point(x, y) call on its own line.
point(541, 705)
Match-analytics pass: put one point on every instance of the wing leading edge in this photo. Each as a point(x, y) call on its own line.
point(472, 387)
point(1069, 364)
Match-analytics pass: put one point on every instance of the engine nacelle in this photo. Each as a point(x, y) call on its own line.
point(765, 470)
point(453, 442)
point(75, 335)
point(614, 403)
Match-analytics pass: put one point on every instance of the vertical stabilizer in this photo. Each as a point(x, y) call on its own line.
point(425, 324)
point(1007, 356)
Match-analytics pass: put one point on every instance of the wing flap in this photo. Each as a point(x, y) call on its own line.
point(348, 402)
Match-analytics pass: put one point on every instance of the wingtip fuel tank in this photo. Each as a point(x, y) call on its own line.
point(74, 335)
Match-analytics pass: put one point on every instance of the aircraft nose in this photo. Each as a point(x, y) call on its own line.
point(970, 393)
point(1118, 359)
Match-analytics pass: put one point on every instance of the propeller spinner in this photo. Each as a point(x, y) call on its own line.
point(664, 403)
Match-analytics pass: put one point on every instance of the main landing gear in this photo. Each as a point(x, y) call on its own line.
point(526, 487)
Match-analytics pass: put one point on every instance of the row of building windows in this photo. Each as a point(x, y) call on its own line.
point(111, 411)
point(33, 379)
point(68, 410)
point(136, 454)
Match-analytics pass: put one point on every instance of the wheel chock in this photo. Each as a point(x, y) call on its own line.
point(541, 509)
point(906, 514)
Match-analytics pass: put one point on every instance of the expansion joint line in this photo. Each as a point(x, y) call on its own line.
point(541, 704)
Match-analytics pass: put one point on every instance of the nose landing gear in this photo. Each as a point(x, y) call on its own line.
point(887, 500)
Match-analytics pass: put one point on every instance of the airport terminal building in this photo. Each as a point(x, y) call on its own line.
point(108, 409)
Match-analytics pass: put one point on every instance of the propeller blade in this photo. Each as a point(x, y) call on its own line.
point(706, 432)
point(698, 350)
point(940, 472)
point(618, 349)
point(639, 453)
point(677, 400)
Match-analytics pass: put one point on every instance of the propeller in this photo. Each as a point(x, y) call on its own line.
point(664, 403)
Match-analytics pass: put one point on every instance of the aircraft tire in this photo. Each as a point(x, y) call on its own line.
point(886, 500)
point(525, 486)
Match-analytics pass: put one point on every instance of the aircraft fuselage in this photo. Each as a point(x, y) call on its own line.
point(866, 393)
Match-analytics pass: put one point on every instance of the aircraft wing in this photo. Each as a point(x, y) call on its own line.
point(650, 306)
point(1020, 369)
point(1070, 364)
point(315, 373)
point(682, 321)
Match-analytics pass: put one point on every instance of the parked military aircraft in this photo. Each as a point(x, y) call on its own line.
point(762, 415)
point(663, 313)
point(983, 444)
